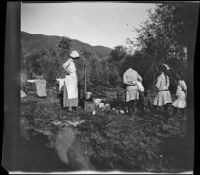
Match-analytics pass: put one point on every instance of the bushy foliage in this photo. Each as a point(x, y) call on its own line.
point(45, 63)
point(156, 35)
point(161, 39)
point(104, 73)
point(49, 64)
point(64, 45)
point(118, 54)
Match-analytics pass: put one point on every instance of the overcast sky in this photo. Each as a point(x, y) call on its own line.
point(107, 24)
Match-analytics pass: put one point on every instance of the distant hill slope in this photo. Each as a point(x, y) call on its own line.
point(32, 42)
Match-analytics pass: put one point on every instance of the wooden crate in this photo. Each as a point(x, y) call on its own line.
point(89, 106)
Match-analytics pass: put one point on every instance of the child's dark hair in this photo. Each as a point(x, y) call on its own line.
point(163, 69)
point(179, 75)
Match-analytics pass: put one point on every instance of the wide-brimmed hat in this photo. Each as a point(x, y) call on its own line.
point(162, 68)
point(74, 54)
point(166, 66)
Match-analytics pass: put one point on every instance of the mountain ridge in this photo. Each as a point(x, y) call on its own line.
point(31, 42)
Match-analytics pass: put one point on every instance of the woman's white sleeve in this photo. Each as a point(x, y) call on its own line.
point(158, 82)
point(66, 66)
point(124, 79)
point(139, 78)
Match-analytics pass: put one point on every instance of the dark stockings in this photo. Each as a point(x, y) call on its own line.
point(69, 108)
point(141, 104)
point(175, 111)
point(141, 108)
point(154, 110)
point(74, 108)
point(166, 114)
point(131, 107)
point(182, 112)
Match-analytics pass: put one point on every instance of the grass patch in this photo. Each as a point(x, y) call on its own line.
point(109, 140)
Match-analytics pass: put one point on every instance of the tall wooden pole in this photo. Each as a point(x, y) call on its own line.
point(85, 78)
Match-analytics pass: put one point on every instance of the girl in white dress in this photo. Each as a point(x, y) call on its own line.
point(181, 92)
point(163, 96)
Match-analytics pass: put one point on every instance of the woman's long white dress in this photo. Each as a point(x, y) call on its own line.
point(70, 90)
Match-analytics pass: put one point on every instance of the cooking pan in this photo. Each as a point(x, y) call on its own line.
point(88, 95)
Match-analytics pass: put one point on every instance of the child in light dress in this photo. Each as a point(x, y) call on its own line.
point(181, 93)
point(163, 96)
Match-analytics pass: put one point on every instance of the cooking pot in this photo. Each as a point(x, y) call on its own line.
point(88, 96)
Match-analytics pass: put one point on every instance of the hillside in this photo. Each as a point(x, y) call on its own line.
point(32, 42)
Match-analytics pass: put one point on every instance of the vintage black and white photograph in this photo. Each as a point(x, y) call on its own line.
point(107, 87)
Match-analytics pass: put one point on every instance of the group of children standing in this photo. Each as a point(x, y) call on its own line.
point(163, 96)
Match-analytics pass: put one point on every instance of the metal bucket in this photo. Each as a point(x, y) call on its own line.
point(88, 95)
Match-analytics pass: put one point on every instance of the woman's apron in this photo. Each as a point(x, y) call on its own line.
point(70, 91)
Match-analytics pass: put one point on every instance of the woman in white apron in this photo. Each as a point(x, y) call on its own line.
point(70, 89)
point(163, 96)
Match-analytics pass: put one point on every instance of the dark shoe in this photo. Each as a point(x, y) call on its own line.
point(70, 110)
point(74, 109)
point(65, 108)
